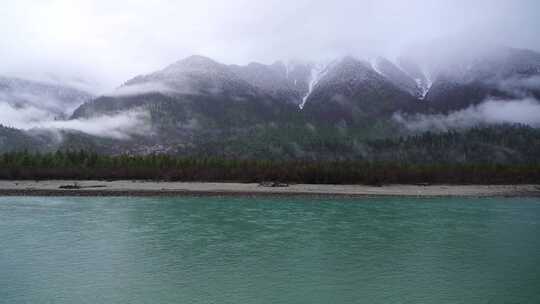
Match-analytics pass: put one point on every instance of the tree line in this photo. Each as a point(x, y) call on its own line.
point(79, 165)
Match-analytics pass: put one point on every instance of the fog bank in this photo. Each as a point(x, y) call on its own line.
point(100, 43)
point(118, 126)
point(522, 111)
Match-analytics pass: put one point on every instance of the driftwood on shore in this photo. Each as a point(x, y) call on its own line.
point(273, 185)
point(76, 186)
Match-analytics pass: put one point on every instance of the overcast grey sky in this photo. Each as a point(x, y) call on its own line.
point(109, 41)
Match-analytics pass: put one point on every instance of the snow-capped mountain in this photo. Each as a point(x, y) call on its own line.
point(197, 101)
point(351, 91)
point(398, 76)
point(346, 88)
point(456, 80)
point(193, 75)
point(281, 81)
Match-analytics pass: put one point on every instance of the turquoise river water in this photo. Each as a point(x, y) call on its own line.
point(269, 250)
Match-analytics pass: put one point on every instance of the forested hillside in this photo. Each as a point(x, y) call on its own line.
point(482, 156)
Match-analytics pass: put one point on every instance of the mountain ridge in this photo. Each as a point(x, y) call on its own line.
point(199, 105)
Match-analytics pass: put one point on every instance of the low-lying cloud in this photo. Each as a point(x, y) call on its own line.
point(523, 111)
point(520, 86)
point(40, 102)
point(118, 126)
point(143, 88)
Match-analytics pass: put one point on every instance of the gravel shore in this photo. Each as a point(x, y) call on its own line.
point(153, 188)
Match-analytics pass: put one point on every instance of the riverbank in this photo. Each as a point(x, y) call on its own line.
point(152, 188)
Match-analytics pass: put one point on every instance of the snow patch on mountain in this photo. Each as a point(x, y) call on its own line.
point(424, 85)
point(318, 72)
point(427, 83)
point(374, 65)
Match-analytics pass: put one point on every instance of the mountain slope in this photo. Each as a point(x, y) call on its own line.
point(17, 140)
point(193, 98)
point(504, 73)
point(397, 76)
point(195, 75)
point(352, 92)
point(282, 82)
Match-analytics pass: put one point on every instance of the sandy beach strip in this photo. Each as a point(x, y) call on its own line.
point(154, 188)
